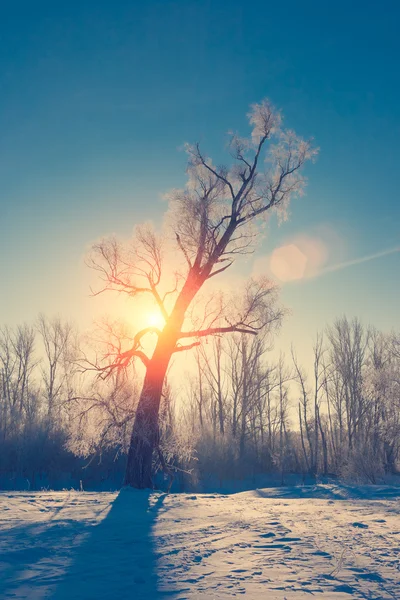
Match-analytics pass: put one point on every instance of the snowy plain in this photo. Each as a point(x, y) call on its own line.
point(325, 541)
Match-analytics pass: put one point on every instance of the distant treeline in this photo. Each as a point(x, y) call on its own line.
point(239, 415)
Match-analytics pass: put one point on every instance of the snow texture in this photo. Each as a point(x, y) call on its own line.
point(329, 542)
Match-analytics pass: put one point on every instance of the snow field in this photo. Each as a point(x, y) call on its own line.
point(325, 542)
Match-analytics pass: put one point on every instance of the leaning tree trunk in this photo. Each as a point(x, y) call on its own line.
point(145, 432)
point(144, 439)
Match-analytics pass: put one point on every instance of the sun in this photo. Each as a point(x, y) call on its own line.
point(155, 319)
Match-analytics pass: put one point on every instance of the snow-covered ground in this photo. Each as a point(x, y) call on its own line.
point(328, 542)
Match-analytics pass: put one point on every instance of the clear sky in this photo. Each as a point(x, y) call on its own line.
point(97, 98)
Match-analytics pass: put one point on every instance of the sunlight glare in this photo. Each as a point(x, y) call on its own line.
point(155, 319)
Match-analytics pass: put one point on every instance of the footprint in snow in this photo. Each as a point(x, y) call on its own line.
point(239, 570)
point(347, 589)
point(283, 547)
point(371, 576)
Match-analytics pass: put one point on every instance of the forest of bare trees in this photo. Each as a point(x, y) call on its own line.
point(340, 417)
point(240, 412)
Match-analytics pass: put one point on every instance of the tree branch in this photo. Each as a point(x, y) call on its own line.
point(186, 347)
point(221, 270)
point(216, 331)
point(183, 249)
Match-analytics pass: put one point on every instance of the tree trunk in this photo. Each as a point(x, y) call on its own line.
point(302, 441)
point(324, 444)
point(144, 440)
point(244, 402)
point(145, 432)
point(219, 388)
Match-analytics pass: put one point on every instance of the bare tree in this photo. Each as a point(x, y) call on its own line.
point(17, 362)
point(214, 219)
point(213, 371)
point(283, 377)
point(349, 342)
point(311, 426)
point(57, 367)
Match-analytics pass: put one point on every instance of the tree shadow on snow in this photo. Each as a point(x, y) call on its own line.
point(118, 558)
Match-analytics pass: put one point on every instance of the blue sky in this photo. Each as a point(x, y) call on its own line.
point(98, 97)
